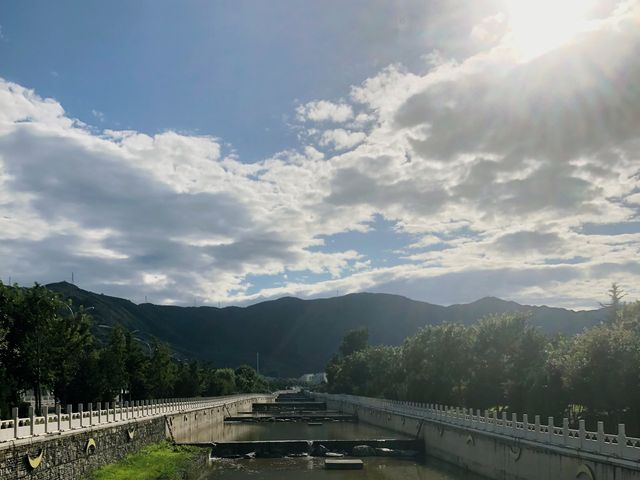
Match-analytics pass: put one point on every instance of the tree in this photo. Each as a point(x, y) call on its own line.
point(136, 365)
point(374, 371)
point(603, 372)
point(353, 341)
point(38, 325)
point(71, 341)
point(188, 380)
point(113, 365)
point(436, 362)
point(508, 363)
point(161, 370)
point(221, 381)
point(248, 381)
point(615, 302)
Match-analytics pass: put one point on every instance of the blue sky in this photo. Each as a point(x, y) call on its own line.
point(237, 151)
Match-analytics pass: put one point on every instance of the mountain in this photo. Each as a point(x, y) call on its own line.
point(295, 336)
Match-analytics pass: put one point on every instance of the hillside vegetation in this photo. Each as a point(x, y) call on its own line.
point(295, 336)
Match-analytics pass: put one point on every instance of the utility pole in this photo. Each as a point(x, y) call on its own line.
point(72, 282)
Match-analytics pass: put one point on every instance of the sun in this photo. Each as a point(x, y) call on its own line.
point(537, 26)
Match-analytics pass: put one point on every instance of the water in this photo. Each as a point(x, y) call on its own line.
point(375, 468)
point(302, 431)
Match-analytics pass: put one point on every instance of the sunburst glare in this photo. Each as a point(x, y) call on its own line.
point(537, 26)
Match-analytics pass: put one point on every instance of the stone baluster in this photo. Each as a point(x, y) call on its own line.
point(16, 421)
point(32, 421)
point(81, 415)
point(59, 417)
point(600, 437)
point(581, 434)
point(70, 414)
point(44, 411)
point(622, 440)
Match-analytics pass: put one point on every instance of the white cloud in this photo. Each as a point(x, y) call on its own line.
point(340, 139)
point(324, 111)
point(492, 165)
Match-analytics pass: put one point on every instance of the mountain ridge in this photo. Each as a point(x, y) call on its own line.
point(296, 336)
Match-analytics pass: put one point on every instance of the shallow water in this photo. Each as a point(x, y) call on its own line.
point(375, 468)
point(302, 431)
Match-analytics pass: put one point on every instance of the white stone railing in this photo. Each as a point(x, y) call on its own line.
point(58, 422)
point(614, 445)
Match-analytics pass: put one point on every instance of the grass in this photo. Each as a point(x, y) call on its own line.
point(159, 461)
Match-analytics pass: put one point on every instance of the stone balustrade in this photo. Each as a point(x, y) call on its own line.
point(89, 415)
point(617, 445)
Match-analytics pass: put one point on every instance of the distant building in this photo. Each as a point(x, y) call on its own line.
point(48, 400)
point(314, 378)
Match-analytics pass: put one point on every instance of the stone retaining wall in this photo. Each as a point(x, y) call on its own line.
point(74, 454)
point(498, 456)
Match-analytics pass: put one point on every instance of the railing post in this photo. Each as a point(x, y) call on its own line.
point(80, 407)
point(550, 429)
point(44, 412)
point(514, 424)
point(106, 407)
point(32, 421)
point(14, 414)
point(565, 431)
point(525, 425)
point(622, 440)
point(99, 406)
point(581, 433)
point(90, 407)
point(126, 406)
point(600, 437)
point(70, 414)
point(537, 427)
point(59, 416)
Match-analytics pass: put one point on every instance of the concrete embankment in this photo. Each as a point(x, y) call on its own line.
point(72, 453)
point(501, 448)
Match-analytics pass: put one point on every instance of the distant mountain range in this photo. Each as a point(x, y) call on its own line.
point(295, 336)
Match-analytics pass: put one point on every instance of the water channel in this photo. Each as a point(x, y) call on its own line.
point(261, 431)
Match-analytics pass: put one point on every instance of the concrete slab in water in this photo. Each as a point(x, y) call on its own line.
point(343, 464)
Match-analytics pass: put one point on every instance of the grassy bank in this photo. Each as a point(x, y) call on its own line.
point(159, 461)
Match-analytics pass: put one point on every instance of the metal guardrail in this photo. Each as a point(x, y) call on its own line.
point(58, 422)
point(617, 445)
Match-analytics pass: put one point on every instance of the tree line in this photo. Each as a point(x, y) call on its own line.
point(502, 364)
point(47, 344)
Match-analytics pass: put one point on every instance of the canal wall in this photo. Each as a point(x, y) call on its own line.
point(503, 448)
point(69, 447)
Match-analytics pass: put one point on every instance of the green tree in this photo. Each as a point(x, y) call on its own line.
point(353, 341)
point(374, 371)
point(161, 370)
point(603, 372)
point(137, 366)
point(39, 325)
point(614, 305)
point(221, 381)
point(508, 366)
point(188, 379)
point(248, 381)
point(113, 365)
point(436, 363)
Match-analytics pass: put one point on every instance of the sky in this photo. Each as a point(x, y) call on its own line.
point(230, 152)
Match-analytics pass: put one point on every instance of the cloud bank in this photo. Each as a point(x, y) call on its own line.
point(498, 174)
